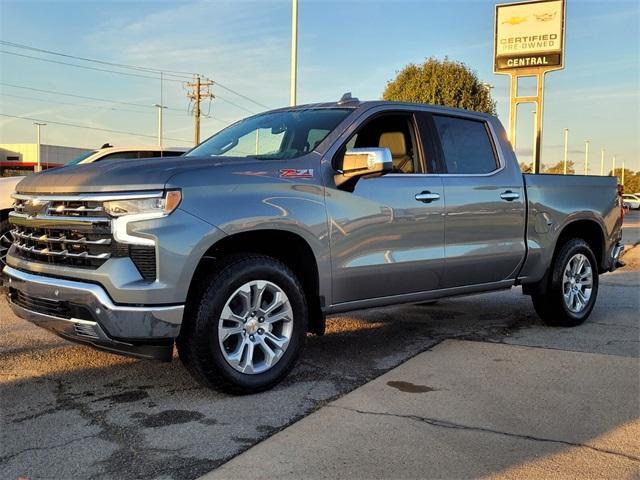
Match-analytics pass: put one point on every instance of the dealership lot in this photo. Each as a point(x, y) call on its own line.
point(69, 411)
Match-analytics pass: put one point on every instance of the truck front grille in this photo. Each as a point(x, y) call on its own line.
point(71, 231)
point(63, 246)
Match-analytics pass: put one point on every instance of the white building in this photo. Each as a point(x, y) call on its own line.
point(19, 158)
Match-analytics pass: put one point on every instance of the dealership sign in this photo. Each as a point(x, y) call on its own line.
point(529, 35)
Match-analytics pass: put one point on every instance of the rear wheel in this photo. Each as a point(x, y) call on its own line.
point(247, 326)
point(573, 286)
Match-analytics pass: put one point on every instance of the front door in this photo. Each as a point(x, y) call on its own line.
point(387, 232)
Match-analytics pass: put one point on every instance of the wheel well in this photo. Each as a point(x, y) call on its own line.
point(590, 232)
point(290, 248)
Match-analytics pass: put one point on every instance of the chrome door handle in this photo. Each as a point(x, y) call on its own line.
point(509, 195)
point(427, 197)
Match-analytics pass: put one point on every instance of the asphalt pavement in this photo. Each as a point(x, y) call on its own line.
point(72, 412)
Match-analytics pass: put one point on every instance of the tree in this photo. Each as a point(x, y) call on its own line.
point(631, 179)
point(558, 168)
point(441, 82)
point(526, 167)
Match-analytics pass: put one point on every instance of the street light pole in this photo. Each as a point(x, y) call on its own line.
point(601, 162)
point(294, 52)
point(38, 167)
point(613, 166)
point(160, 132)
point(622, 173)
point(566, 147)
point(586, 157)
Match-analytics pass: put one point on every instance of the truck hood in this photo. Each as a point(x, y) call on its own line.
point(118, 175)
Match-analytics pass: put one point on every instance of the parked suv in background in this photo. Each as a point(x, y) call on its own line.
point(238, 249)
point(8, 184)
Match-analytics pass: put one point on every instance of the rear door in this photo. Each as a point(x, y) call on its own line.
point(485, 203)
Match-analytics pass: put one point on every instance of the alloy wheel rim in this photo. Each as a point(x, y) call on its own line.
point(255, 327)
point(577, 283)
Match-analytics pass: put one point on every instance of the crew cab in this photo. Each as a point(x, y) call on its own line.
point(240, 248)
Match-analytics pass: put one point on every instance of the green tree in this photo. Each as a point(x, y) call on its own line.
point(526, 167)
point(559, 168)
point(441, 82)
point(631, 179)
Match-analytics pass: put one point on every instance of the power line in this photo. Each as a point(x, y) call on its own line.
point(241, 95)
point(174, 73)
point(90, 128)
point(88, 68)
point(47, 100)
point(234, 104)
point(79, 96)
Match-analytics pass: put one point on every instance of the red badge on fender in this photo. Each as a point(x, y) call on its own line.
point(296, 172)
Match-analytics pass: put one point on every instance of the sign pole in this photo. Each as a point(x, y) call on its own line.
point(529, 42)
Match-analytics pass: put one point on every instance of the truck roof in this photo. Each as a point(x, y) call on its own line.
point(356, 104)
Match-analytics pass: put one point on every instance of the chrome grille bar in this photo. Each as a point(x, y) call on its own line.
point(61, 239)
point(62, 253)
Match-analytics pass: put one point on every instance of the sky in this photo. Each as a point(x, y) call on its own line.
point(354, 46)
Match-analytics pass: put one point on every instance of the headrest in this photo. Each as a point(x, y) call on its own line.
point(395, 142)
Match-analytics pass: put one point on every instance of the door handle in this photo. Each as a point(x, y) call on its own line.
point(509, 196)
point(427, 197)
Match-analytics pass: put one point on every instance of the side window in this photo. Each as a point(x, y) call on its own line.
point(466, 145)
point(395, 132)
point(170, 153)
point(119, 156)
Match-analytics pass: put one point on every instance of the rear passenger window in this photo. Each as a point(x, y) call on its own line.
point(466, 145)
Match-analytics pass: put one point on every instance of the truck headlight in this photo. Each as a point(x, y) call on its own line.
point(159, 206)
point(127, 211)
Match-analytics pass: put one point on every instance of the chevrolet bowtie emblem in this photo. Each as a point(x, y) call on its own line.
point(515, 20)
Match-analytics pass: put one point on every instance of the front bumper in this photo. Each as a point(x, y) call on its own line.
point(83, 312)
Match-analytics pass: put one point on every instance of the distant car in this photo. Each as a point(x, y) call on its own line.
point(631, 201)
point(8, 184)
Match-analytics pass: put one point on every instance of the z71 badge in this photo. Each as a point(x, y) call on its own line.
point(296, 173)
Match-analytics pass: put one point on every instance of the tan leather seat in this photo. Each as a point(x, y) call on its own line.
point(395, 141)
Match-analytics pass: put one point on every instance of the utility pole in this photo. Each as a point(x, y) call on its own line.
point(586, 157)
point(601, 162)
point(566, 150)
point(294, 52)
point(200, 92)
point(38, 167)
point(160, 108)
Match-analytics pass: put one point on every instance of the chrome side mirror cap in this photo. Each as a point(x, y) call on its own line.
point(358, 162)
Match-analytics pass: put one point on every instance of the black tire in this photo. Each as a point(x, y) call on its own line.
point(551, 306)
point(5, 241)
point(198, 342)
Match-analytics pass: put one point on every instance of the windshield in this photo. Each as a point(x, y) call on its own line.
point(275, 135)
point(79, 158)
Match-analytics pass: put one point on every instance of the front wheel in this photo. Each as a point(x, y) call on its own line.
point(247, 327)
point(573, 286)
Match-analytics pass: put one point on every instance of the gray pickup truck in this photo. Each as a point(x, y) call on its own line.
point(237, 250)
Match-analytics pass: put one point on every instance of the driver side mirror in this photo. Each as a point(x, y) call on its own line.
point(360, 162)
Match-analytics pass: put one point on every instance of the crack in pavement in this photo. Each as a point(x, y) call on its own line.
point(435, 422)
point(35, 449)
